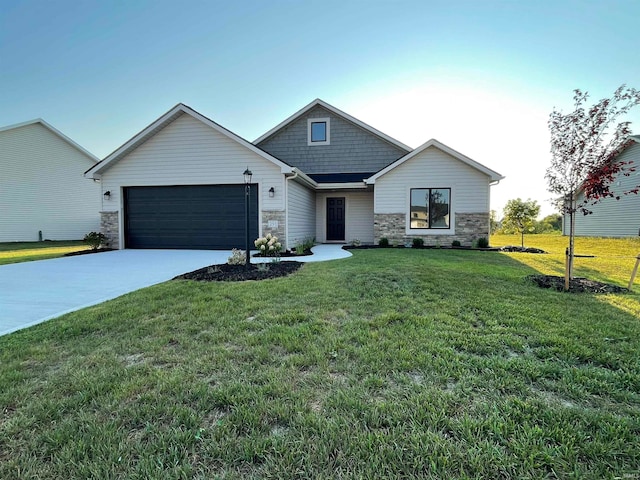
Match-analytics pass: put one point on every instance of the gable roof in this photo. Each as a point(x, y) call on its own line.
point(337, 112)
point(53, 130)
point(493, 175)
point(173, 114)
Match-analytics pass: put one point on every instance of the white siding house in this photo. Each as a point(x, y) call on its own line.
point(301, 214)
point(611, 217)
point(43, 192)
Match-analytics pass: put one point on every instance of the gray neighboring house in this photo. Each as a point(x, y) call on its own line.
point(319, 174)
point(611, 217)
point(42, 188)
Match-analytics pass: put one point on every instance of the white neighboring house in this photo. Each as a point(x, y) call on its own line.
point(611, 217)
point(42, 185)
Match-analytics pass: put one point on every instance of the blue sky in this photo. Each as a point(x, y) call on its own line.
point(480, 76)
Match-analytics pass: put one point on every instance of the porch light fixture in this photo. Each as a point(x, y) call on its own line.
point(107, 194)
point(272, 192)
point(247, 191)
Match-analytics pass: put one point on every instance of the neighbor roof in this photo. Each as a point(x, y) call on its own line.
point(55, 131)
point(495, 176)
point(177, 111)
point(337, 112)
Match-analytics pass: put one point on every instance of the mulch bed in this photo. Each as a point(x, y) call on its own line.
point(576, 285)
point(87, 252)
point(239, 273)
point(513, 248)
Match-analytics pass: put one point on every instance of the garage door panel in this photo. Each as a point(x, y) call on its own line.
point(193, 216)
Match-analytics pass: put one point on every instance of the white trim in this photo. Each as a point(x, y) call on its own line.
point(163, 121)
point(493, 175)
point(342, 186)
point(337, 112)
point(327, 125)
point(429, 231)
point(53, 130)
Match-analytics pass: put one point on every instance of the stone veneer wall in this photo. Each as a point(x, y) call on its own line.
point(274, 216)
point(469, 227)
point(110, 227)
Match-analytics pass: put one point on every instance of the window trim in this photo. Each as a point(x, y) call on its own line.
point(430, 230)
point(327, 122)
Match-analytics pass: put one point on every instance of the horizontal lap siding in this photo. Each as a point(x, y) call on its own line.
point(188, 152)
point(433, 168)
point(611, 217)
point(301, 213)
point(359, 216)
point(42, 187)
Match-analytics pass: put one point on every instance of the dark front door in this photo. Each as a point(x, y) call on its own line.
point(189, 216)
point(335, 218)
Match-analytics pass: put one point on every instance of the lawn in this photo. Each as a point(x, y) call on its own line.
point(14, 252)
point(396, 363)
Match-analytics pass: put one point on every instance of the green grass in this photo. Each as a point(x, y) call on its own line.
point(396, 363)
point(15, 252)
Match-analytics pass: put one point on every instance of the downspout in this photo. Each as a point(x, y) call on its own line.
point(286, 207)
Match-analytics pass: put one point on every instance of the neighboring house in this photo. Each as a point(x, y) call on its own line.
point(611, 217)
point(43, 192)
point(319, 174)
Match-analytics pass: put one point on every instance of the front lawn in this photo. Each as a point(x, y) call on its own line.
point(396, 363)
point(15, 252)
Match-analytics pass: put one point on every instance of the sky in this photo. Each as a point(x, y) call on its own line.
point(480, 76)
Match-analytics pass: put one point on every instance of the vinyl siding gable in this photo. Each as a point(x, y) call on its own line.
point(433, 168)
point(611, 217)
point(42, 187)
point(351, 149)
point(188, 152)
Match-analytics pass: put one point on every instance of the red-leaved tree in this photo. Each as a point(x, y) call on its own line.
point(585, 144)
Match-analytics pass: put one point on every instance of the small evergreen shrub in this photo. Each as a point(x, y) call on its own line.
point(95, 239)
point(417, 242)
point(455, 243)
point(482, 242)
point(383, 242)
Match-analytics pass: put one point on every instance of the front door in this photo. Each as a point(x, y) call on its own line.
point(335, 219)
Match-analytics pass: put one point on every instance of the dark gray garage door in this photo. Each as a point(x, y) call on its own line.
point(191, 217)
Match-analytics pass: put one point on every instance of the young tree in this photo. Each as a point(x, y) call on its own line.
point(520, 216)
point(494, 223)
point(584, 145)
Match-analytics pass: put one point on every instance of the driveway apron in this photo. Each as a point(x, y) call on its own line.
point(32, 292)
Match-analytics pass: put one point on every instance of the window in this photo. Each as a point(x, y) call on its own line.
point(430, 208)
point(318, 131)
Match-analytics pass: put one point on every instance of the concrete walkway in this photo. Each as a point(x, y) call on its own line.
point(33, 292)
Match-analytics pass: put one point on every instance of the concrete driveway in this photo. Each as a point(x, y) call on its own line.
point(32, 292)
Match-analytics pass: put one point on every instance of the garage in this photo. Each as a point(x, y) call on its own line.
point(209, 217)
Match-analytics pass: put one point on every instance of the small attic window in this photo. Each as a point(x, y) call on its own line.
point(318, 131)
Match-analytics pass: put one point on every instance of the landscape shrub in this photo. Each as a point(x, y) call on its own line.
point(383, 242)
point(456, 243)
point(417, 242)
point(482, 242)
point(238, 257)
point(268, 246)
point(95, 239)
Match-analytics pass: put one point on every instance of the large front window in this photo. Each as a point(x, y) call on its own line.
point(430, 207)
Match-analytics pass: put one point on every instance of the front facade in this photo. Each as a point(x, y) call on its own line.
point(611, 217)
point(321, 174)
point(43, 193)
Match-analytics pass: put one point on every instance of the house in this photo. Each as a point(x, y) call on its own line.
point(43, 192)
point(321, 174)
point(611, 217)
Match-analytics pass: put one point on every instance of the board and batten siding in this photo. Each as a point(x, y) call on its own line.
point(188, 152)
point(433, 168)
point(352, 149)
point(358, 216)
point(301, 213)
point(611, 217)
point(42, 187)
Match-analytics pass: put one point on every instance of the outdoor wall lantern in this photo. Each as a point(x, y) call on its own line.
point(247, 191)
point(107, 195)
point(272, 192)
